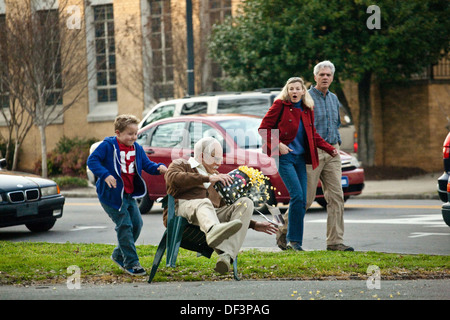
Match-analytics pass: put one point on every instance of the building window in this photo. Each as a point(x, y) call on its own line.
point(441, 71)
point(162, 52)
point(105, 53)
point(218, 11)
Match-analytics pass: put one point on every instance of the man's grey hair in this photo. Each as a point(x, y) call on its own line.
point(324, 64)
point(205, 145)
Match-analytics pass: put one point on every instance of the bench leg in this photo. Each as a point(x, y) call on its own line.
point(235, 273)
point(176, 229)
point(158, 256)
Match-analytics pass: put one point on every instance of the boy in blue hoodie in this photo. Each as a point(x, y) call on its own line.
point(118, 162)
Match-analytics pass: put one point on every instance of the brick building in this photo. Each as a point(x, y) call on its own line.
point(140, 51)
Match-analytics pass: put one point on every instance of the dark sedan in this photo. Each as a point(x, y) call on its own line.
point(28, 199)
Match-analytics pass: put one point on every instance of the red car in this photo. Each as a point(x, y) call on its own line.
point(172, 138)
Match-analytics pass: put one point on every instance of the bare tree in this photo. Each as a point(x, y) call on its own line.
point(47, 60)
point(18, 121)
point(154, 72)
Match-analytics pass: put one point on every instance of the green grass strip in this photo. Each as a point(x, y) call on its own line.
point(28, 263)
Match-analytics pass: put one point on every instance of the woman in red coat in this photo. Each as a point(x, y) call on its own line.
point(289, 135)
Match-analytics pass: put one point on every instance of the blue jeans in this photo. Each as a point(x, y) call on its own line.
point(128, 227)
point(292, 170)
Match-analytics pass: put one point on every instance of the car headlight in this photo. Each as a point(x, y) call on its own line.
point(350, 164)
point(354, 162)
point(49, 191)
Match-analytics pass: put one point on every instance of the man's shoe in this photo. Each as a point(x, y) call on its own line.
point(281, 240)
point(339, 247)
point(223, 263)
point(293, 245)
point(136, 271)
point(222, 231)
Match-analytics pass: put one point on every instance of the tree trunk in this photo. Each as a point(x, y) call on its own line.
point(366, 143)
point(43, 151)
point(16, 156)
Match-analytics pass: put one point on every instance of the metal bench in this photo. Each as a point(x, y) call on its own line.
point(180, 233)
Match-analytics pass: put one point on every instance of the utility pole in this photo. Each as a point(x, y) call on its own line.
point(190, 49)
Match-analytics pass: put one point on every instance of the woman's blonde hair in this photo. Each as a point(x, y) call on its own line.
point(284, 94)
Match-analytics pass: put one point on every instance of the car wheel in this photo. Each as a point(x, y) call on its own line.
point(446, 213)
point(145, 204)
point(41, 226)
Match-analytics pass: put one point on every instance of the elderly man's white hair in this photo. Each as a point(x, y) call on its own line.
point(324, 64)
point(205, 145)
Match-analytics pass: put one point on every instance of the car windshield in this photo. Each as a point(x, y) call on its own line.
point(244, 131)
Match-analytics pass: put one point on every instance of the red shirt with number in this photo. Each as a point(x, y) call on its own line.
point(127, 168)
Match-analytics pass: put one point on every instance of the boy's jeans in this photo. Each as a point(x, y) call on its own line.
point(128, 227)
point(292, 170)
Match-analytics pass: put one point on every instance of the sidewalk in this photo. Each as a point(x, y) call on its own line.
point(243, 291)
point(420, 187)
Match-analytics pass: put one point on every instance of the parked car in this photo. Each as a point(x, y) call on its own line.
point(28, 199)
point(169, 139)
point(444, 183)
point(247, 103)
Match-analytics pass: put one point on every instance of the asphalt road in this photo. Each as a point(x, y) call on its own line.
point(399, 226)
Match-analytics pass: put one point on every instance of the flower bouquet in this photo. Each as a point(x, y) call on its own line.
point(245, 182)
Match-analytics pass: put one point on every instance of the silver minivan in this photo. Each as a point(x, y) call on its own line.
point(251, 103)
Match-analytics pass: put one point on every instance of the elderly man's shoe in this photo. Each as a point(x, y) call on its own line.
point(222, 231)
point(223, 263)
point(281, 240)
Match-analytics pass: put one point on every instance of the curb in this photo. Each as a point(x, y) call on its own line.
point(425, 196)
point(91, 193)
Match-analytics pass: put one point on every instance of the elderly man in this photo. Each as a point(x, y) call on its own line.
point(191, 183)
point(327, 122)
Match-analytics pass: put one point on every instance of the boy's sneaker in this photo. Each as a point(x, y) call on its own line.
point(293, 245)
point(119, 263)
point(136, 271)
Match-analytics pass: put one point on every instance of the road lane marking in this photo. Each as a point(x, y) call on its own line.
point(79, 228)
point(426, 234)
point(430, 219)
point(393, 206)
point(385, 206)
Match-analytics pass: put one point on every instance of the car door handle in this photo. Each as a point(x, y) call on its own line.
point(149, 151)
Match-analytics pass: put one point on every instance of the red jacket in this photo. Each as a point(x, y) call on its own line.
point(288, 127)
